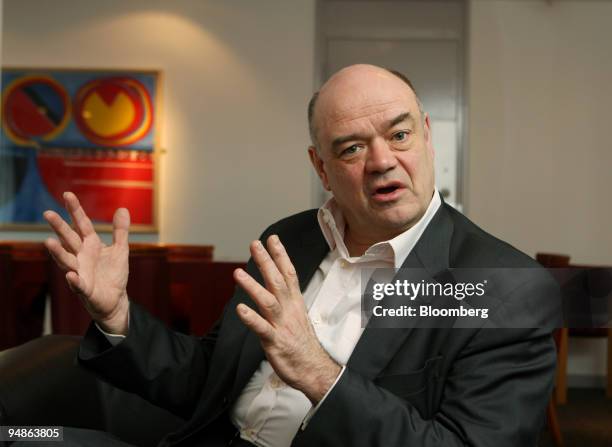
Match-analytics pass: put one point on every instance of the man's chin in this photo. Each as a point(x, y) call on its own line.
point(399, 219)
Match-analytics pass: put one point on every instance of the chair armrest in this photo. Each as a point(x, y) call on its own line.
point(41, 384)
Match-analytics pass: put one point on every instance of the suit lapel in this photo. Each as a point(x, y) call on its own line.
point(306, 252)
point(377, 346)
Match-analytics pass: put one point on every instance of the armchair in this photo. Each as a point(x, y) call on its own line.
point(41, 384)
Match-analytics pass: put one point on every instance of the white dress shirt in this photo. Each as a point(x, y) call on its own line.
point(268, 413)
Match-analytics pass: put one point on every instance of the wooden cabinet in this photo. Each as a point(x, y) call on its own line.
point(179, 284)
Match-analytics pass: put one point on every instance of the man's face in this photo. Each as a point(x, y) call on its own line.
point(375, 153)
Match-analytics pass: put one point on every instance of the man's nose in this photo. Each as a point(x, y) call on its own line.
point(380, 157)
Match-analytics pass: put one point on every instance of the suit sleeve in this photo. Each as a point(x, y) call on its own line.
point(166, 368)
point(495, 394)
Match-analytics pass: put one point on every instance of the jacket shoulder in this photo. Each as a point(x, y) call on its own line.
point(472, 246)
point(296, 223)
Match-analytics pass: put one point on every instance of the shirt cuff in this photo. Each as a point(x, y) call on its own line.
point(114, 339)
point(314, 409)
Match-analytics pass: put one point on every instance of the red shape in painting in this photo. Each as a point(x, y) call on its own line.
point(34, 108)
point(103, 181)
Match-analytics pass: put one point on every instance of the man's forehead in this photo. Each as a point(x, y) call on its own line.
point(382, 110)
point(369, 92)
point(363, 116)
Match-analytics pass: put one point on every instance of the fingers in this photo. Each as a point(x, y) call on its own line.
point(255, 322)
point(271, 275)
point(121, 226)
point(81, 222)
point(276, 268)
point(267, 303)
point(70, 240)
point(65, 260)
point(283, 263)
point(279, 276)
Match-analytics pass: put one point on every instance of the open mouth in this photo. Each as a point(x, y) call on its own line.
point(386, 189)
point(388, 192)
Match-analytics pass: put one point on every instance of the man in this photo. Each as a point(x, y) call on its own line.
point(290, 363)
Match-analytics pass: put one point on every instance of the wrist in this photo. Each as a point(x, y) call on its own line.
point(321, 378)
point(117, 322)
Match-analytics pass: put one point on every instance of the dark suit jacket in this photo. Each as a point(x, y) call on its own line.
point(402, 387)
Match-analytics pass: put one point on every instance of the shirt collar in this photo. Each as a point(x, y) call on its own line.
point(332, 225)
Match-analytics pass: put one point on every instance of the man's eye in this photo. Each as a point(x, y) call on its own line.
point(400, 136)
point(351, 150)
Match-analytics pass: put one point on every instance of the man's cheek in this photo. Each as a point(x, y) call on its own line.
point(348, 179)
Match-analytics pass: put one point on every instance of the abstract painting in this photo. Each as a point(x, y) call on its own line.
point(93, 132)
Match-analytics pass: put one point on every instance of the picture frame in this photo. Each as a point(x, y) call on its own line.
point(94, 132)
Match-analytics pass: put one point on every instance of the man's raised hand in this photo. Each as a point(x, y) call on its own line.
point(96, 272)
point(282, 325)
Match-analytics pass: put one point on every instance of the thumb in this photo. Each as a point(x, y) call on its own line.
point(75, 283)
point(121, 226)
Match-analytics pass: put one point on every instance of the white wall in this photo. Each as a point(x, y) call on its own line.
point(540, 152)
point(237, 78)
point(540, 148)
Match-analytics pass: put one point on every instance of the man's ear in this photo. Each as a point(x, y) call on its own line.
point(427, 130)
point(317, 162)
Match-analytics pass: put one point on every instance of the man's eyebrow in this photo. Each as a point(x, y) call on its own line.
point(400, 118)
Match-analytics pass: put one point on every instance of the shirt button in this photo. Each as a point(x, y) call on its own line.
point(250, 432)
point(276, 382)
point(344, 263)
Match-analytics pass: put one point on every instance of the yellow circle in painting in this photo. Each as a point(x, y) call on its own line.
point(105, 119)
point(114, 111)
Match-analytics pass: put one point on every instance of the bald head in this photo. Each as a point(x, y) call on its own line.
point(349, 82)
